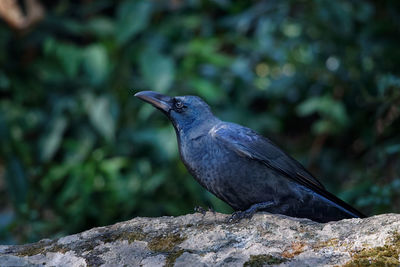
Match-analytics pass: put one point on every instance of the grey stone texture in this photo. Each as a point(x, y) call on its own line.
point(208, 240)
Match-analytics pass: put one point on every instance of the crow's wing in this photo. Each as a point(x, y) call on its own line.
point(247, 143)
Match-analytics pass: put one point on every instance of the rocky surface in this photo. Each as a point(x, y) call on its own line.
point(207, 240)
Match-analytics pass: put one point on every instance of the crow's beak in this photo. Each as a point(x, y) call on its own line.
point(161, 102)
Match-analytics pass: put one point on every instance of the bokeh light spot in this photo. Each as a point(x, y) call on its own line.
point(332, 63)
point(262, 70)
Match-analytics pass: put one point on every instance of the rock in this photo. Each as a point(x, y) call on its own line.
point(207, 240)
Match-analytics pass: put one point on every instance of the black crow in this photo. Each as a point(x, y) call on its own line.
point(243, 168)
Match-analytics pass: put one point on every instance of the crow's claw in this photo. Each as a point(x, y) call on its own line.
point(238, 215)
point(200, 210)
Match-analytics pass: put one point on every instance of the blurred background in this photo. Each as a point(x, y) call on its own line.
point(77, 150)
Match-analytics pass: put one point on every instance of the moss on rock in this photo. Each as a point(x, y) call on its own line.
point(165, 243)
point(171, 257)
point(31, 250)
point(263, 259)
point(387, 255)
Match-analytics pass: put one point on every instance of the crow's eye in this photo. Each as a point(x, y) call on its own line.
point(178, 104)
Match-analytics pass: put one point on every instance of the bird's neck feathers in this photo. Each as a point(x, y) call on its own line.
point(195, 128)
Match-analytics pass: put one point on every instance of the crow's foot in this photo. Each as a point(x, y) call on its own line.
point(248, 214)
point(238, 215)
point(200, 210)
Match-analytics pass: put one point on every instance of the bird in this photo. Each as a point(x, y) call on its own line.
point(244, 169)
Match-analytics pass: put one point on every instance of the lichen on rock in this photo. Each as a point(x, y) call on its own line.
point(208, 240)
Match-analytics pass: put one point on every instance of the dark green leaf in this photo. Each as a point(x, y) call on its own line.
point(133, 16)
point(158, 70)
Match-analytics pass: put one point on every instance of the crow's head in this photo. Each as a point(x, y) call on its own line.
point(185, 112)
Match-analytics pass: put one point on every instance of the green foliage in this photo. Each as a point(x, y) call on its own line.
point(77, 150)
point(332, 112)
point(153, 64)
